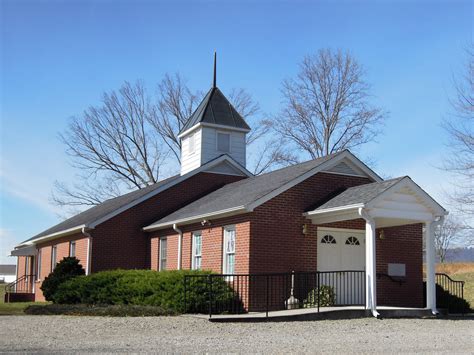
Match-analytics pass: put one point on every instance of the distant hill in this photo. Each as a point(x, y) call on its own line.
point(460, 255)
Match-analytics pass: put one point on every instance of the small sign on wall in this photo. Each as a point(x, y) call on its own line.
point(398, 270)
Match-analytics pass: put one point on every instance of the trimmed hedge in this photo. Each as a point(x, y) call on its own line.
point(102, 311)
point(140, 287)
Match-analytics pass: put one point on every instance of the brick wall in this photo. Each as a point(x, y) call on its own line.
point(212, 244)
point(120, 241)
point(62, 251)
point(271, 240)
point(401, 245)
point(278, 243)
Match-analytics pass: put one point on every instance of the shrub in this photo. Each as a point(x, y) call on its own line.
point(101, 310)
point(66, 269)
point(141, 287)
point(326, 295)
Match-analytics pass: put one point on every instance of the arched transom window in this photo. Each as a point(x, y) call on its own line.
point(328, 239)
point(352, 241)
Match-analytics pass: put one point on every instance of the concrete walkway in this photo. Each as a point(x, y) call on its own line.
point(302, 314)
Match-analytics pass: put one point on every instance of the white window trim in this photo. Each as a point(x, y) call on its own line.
point(54, 252)
point(230, 142)
point(71, 243)
point(38, 265)
point(161, 255)
point(193, 261)
point(224, 254)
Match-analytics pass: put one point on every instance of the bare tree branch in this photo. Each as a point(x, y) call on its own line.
point(446, 235)
point(326, 107)
point(460, 127)
point(113, 146)
point(122, 143)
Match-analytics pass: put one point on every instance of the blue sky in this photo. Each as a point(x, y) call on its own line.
point(58, 57)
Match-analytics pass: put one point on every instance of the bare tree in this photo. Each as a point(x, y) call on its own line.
point(114, 148)
point(122, 143)
point(460, 127)
point(175, 104)
point(326, 107)
point(446, 235)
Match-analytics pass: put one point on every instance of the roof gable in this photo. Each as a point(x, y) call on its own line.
point(245, 195)
point(215, 109)
point(400, 200)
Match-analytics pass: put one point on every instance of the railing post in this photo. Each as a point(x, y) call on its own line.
point(268, 282)
point(209, 280)
point(185, 282)
point(317, 288)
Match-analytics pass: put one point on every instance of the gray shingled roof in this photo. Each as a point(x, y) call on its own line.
point(359, 194)
point(97, 212)
point(243, 192)
point(216, 109)
point(7, 269)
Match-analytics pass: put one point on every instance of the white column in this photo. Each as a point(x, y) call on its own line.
point(431, 265)
point(370, 260)
point(371, 281)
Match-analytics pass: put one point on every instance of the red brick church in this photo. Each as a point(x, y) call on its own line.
point(329, 214)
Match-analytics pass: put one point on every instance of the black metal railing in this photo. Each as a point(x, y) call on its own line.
point(241, 293)
point(450, 293)
point(23, 284)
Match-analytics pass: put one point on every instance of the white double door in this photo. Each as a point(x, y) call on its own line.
point(341, 261)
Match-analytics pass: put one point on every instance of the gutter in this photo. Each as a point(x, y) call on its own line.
point(54, 235)
point(198, 218)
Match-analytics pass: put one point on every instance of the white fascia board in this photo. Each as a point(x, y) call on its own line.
point(189, 130)
point(323, 166)
point(54, 235)
point(333, 209)
point(217, 214)
point(422, 194)
point(407, 215)
point(212, 125)
point(172, 183)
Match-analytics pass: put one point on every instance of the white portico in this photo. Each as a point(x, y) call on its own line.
point(383, 204)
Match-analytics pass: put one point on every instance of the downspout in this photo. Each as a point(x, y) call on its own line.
point(180, 241)
point(89, 249)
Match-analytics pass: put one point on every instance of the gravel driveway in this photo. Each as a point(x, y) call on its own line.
point(188, 334)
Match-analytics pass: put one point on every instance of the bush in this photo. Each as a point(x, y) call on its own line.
point(326, 295)
point(104, 311)
point(141, 287)
point(66, 269)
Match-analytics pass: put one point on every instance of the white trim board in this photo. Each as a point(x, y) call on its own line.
point(212, 125)
point(350, 230)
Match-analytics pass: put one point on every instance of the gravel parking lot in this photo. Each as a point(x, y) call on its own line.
point(188, 334)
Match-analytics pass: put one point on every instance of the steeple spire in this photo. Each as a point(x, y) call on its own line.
point(214, 81)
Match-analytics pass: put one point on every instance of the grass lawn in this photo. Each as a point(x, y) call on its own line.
point(461, 272)
point(15, 308)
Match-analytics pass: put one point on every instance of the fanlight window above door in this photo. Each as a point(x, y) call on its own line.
point(328, 239)
point(352, 241)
